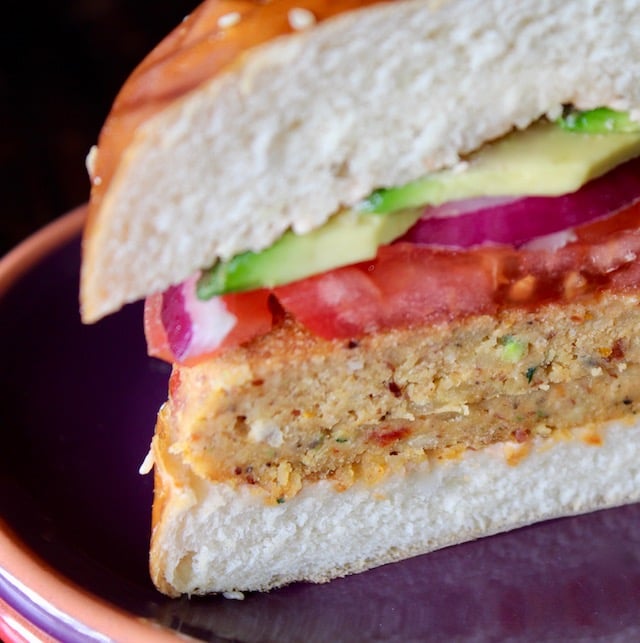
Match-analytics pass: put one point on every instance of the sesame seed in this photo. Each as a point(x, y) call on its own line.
point(301, 19)
point(91, 159)
point(229, 20)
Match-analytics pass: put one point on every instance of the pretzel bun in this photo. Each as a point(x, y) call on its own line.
point(255, 117)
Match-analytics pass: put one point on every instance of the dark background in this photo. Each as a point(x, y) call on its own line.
point(61, 64)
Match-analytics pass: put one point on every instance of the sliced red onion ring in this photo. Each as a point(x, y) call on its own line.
point(517, 221)
point(193, 327)
point(466, 206)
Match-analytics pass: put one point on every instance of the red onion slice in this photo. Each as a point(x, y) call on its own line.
point(516, 222)
point(181, 328)
point(194, 327)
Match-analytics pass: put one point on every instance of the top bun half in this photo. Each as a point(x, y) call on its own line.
point(254, 117)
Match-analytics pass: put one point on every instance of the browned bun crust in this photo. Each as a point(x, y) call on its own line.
point(195, 51)
point(167, 478)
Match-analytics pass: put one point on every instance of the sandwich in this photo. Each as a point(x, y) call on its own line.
point(391, 251)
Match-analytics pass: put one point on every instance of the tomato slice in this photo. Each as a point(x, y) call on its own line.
point(405, 285)
point(253, 316)
point(154, 331)
point(421, 284)
point(339, 303)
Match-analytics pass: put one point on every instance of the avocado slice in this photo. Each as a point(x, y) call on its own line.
point(598, 121)
point(543, 160)
point(348, 237)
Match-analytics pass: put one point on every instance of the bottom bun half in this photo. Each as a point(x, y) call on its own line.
point(214, 537)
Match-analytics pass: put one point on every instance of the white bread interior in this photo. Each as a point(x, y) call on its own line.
point(212, 538)
point(307, 123)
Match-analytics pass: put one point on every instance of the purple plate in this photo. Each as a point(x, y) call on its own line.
point(77, 415)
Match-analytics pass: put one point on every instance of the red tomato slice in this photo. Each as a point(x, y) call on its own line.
point(253, 316)
point(339, 303)
point(154, 332)
point(404, 286)
point(422, 284)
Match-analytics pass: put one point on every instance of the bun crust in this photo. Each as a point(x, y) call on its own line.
point(360, 97)
point(211, 39)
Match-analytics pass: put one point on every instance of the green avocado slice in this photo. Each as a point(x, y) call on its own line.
point(543, 160)
point(348, 237)
point(598, 121)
